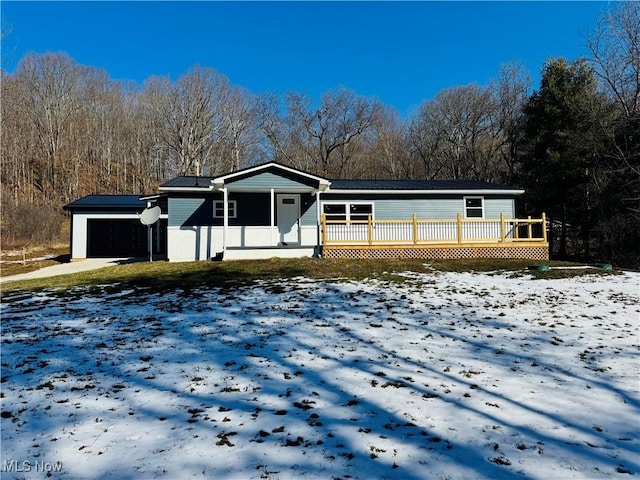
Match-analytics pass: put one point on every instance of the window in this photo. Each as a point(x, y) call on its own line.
point(360, 211)
point(335, 211)
point(218, 208)
point(473, 207)
point(348, 211)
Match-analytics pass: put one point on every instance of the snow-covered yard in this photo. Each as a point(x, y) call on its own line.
point(441, 375)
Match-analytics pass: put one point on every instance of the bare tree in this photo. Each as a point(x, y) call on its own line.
point(189, 113)
point(240, 131)
point(455, 134)
point(388, 155)
point(50, 86)
point(15, 152)
point(91, 158)
point(511, 91)
point(328, 134)
point(425, 139)
point(150, 118)
point(273, 128)
point(614, 46)
point(615, 54)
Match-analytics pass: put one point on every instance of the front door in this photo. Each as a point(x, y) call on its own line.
point(288, 219)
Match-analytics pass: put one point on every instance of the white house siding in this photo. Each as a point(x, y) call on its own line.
point(187, 244)
point(247, 237)
point(262, 253)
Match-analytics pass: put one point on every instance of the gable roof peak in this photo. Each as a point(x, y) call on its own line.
point(256, 169)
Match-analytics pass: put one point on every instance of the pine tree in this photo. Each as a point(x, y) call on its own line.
point(560, 147)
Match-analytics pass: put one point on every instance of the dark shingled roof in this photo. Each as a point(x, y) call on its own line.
point(190, 182)
point(110, 202)
point(415, 185)
point(340, 184)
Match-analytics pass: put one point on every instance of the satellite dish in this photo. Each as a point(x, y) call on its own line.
point(150, 216)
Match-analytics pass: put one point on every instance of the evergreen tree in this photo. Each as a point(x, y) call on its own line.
point(560, 147)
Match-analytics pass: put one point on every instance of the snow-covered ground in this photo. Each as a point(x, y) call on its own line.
point(441, 375)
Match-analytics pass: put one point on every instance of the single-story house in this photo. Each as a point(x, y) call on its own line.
point(272, 210)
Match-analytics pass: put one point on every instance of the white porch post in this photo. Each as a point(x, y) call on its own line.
point(225, 218)
point(273, 216)
point(318, 226)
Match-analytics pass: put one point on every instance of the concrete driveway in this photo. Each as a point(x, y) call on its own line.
point(68, 268)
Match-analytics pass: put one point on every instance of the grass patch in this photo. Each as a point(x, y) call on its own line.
point(479, 264)
point(162, 275)
point(185, 275)
point(559, 273)
point(15, 262)
point(520, 267)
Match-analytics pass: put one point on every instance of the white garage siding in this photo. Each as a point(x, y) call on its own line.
point(79, 230)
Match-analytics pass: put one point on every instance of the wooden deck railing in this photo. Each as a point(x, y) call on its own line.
point(423, 232)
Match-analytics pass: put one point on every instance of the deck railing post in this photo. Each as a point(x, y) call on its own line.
point(544, 227)
point(415, 229)
point(459, 228)
point(529, 228)
point(323, 227)
point(503, 233)
point(370, 229)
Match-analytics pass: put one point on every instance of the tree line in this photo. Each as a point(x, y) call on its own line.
point(573, 143)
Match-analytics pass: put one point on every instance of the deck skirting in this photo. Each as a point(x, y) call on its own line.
point(538, 251)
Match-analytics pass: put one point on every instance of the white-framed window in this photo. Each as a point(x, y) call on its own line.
point(335, 211)
point(353, 211)
point(218, 208)
point(360, 211)
point(473, 207)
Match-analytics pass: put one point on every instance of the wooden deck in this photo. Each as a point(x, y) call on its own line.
point(426, 238)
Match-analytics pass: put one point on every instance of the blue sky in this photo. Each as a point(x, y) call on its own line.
point(401, 53)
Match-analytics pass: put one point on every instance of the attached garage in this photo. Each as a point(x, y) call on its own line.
point(116, 238)
point(108, 226)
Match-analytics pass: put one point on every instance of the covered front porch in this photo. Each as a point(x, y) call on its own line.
point(267, 212)
point(280, 232)
point(273, 219)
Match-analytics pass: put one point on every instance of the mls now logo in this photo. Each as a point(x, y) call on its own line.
point(28, 466)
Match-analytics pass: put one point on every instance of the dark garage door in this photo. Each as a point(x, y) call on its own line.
point(116, 238)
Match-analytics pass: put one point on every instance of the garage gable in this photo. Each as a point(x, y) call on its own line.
point(108, 226)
